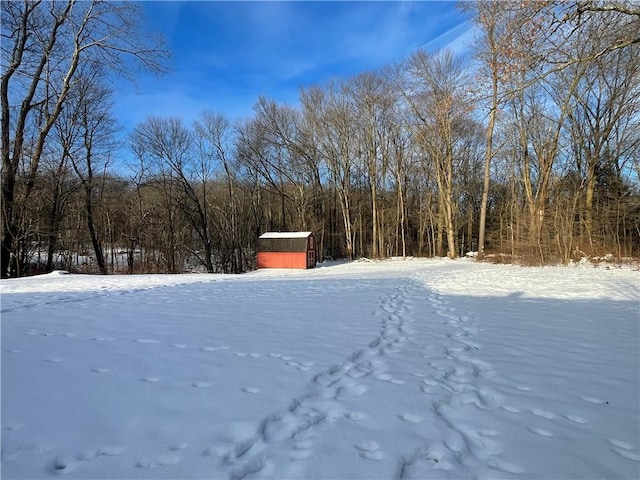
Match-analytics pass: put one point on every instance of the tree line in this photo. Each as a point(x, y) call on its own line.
point(529, 150)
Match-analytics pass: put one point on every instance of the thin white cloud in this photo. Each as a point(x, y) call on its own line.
point(227, 54)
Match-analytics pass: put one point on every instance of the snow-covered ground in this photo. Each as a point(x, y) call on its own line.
point(414, 369)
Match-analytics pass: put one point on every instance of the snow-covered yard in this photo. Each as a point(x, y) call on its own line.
point(414, 369)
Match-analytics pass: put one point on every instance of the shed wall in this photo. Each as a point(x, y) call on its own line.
point(282, 260)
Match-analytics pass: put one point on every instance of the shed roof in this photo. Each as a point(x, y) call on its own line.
point(285, 235)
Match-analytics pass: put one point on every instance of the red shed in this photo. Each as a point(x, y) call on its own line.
point(286, 250)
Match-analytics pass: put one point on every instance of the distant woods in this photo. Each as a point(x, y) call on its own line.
point(529, 151)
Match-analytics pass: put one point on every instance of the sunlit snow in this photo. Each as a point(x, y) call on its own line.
point(394, 369)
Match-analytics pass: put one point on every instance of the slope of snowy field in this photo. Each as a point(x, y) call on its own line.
point(396, 369)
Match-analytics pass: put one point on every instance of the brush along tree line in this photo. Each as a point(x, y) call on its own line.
point(530, 149)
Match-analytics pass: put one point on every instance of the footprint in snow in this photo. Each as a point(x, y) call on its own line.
point(302, 450)
point(628, 455)
point(594, 400)
point(299, 366)
point(624, 449)
point(540, 431)
point(146, 340)
point(356, 416)
point(100, 370)
point(303, 444)
point(542, 413)
point(620, 444)
point(110, 451)
point(62, 466)
point(576, 419)
point(201, 384)
point(54, 360)
point(370, 450)
point(510, 409)
point(410, 418)
point(298, 455)
point(252, 390)
point(12, 427)
point(351, 391)
point(150, 379)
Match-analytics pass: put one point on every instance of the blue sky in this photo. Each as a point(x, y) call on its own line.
point(226, 54)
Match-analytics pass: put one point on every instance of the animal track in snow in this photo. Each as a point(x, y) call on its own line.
point(324, 400)
point(110, 451)
point(252, 390)
point(205, 348)
point(351, 391)
point(624, 449)
point(370, 450)
point(410, 418)
point(510, 409)
point(620, 444)
point(356, 416)
point(368, 446)
point(542, 413)
point(62, 466)
point(540, 431)
point(100, 370)
point(201, 384)
point(627, 454)
point(300, 454)
point(593, 400)
point(576, 419)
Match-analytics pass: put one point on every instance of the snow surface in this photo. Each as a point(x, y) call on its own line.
point(397, 369)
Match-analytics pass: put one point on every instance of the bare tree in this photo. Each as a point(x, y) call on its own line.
point(43, 46)
point(492, 19)
point(166, 148)
point(329, 113)
point(439, 102)
point(213, 136)
point(89, 147)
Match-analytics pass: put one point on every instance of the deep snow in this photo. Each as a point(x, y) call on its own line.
point(396, 369)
